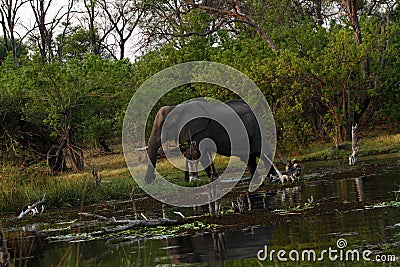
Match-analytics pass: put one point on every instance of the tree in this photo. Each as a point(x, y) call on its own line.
point(98, 27)
point(165, 19)
point(45, 39)
point(75, 44)
point(8, 12)
point(5, 48)
point(124, 17)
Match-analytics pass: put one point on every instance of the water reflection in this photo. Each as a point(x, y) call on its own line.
point(360, 188)
point(376, 228)
point(5, 258)
point(218, 247)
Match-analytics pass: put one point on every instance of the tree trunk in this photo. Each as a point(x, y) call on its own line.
point(318, 11)
point(121, 49)
point(351, 11)
point(90, 9)
point(364, 100)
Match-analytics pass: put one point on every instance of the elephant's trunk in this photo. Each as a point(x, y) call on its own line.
point(154, 144)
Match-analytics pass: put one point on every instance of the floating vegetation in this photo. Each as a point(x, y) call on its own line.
point(134, 233)
point(294, 210)
point(385, 204)
point(76, 237)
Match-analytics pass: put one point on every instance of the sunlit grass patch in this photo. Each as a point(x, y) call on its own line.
point(18, 189)
point(367, 146)
point(112, 161)
point(381, 144)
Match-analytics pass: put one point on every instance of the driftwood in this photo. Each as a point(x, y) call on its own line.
point(353, 157)
point(180, 214)
point(33, 209)
point(128, 224)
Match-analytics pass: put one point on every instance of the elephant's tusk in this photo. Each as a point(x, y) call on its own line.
point(141, 148)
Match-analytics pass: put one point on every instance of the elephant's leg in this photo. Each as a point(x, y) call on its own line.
point(187, 171)
point(191, 163)
point(209, 167)
point(191, 170)
point(252, 166)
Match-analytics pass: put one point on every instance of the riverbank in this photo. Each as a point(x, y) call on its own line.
point(358, 203)
point(18, 188)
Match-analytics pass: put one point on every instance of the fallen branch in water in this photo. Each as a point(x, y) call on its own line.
point(180, 214)
point(33, 209)
point(129, 224)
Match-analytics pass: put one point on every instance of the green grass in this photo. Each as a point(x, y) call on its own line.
point(18, 189)
point(368, 146)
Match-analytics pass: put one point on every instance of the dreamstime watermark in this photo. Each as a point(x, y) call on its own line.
point(338, 253)
point(152, 90)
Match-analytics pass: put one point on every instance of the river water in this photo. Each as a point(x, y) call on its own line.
point(373, 229)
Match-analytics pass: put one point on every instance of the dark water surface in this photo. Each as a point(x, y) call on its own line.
point(374, 227)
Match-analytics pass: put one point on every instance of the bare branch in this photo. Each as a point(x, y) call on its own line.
point(33, 209)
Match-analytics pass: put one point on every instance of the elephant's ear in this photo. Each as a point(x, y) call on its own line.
point(196, 119)
point(163, 113)
point(193, 128)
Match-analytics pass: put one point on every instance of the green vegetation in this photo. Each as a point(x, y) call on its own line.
point(18, 189)
point(21, 188)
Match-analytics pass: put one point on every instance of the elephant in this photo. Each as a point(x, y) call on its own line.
point(201, 128)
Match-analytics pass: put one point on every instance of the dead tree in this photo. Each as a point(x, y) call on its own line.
point(9, 19)
point(354, 147)
point(97, 177)
point(124, 17)
point(45, 41)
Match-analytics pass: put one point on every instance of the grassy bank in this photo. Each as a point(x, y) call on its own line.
point(21, 188)
point(383, 144)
